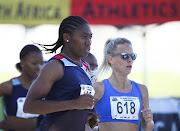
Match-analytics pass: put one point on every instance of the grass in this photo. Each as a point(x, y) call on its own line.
point(160, 84)
point(1, 110)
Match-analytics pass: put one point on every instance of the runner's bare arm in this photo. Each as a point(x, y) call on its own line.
point(6, 88)
point(146, 114)
point(99, 90)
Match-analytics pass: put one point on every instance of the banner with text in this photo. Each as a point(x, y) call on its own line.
point(33, 12)
point(126, 12)
point(116, 12)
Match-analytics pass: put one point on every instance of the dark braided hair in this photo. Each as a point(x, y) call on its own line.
point(68, 25)
point(25, 51)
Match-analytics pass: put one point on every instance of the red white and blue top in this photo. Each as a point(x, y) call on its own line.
point(75, 82)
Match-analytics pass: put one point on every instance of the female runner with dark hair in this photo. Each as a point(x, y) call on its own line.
point(14, 91)
point(63, 90)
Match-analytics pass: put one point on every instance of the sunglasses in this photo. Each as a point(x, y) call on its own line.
point(125, 55)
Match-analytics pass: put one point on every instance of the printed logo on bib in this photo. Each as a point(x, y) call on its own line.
point(20, 113)
point(87, 89)
point(124, 107)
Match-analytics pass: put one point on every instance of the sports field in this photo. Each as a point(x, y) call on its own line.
point(160, 84)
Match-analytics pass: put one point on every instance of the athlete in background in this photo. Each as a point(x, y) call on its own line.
point(14, 91)
point(93, 65)
point(93, 118)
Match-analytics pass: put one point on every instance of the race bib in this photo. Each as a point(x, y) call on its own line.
point(87, 89)
point(124, 107)
point(20, 112)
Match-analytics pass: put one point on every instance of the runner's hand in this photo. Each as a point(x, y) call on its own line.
point(93, 119)
point(4, 125)
point(85, 101)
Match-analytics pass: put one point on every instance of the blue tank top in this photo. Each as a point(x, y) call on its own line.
point(15, 101)
point(67, 88)
point(115, 106)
